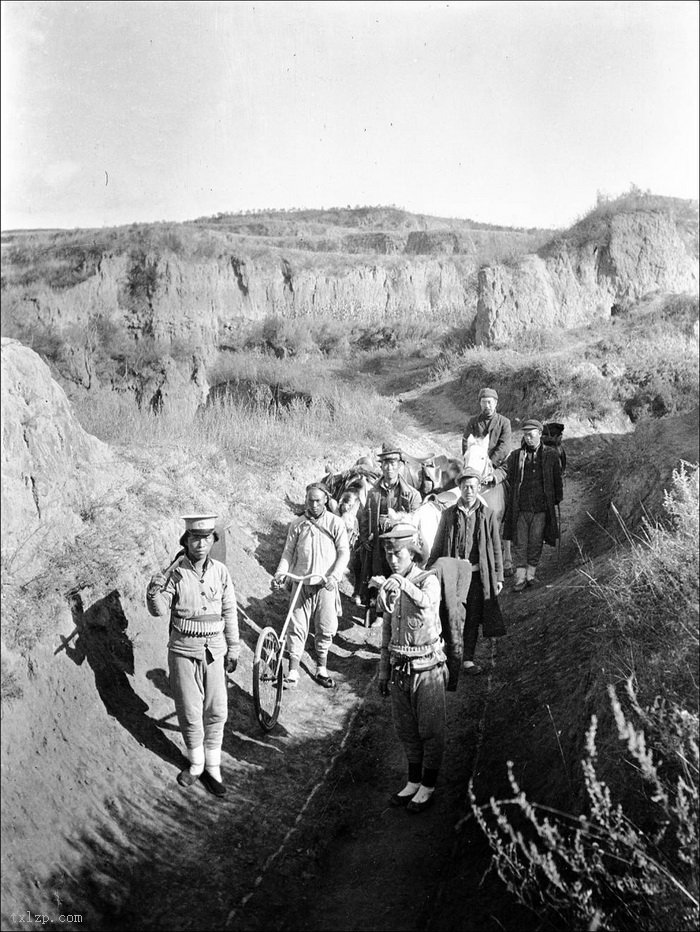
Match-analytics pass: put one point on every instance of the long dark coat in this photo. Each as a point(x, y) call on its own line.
point(552, 486)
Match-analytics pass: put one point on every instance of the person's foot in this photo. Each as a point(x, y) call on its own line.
point(291, 680)
point(471, 668)
point(533, 583)
point(423, 798)
point(508, 571)
point(212, 785)
point(187, 778)
point(520, 584)
point(404, 796)
point(323, 678)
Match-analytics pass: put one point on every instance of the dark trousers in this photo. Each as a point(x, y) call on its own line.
point(474, 615)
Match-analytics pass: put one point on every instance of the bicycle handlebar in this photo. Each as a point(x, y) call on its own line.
point(309, 576)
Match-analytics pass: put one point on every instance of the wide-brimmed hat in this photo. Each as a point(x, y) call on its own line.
point(389, 449)
point(488, 393)
point(532, 424)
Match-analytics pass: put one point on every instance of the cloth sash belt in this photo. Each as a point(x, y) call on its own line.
point(417, 658)
point(201, 626)
point(414, 650)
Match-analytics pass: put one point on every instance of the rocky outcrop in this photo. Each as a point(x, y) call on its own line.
point(577, 282)
point(204, 301)
point(53, 472)
point(436, 243)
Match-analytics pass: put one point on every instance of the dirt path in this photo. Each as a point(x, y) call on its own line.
point(305, 839)
point(354, 862)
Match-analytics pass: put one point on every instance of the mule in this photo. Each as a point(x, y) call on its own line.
point(358, 478)
point(427, 473)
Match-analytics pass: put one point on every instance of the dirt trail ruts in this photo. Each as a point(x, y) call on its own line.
point(355, 862)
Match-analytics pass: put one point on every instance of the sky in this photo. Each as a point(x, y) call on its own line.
point(510, 113)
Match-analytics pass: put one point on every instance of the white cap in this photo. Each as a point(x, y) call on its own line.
point(205, 523)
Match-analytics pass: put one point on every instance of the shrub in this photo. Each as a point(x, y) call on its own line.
point(600, 870)
point(630, 864)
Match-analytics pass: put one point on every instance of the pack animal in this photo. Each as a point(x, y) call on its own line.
point(427, 473)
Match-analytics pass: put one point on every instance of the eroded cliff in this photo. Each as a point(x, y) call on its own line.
point(593, 271)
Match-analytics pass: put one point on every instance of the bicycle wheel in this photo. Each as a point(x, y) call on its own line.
point(267, 678)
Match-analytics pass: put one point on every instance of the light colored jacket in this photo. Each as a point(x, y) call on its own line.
point(412, 629)
point(319, 546)
point(195, 602)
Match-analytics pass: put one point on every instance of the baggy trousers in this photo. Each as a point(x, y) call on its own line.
point(201, 703)
point(529, 538)
point(318, 604)
point(418, 710)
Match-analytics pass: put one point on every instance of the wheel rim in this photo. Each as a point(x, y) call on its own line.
point(267, 678)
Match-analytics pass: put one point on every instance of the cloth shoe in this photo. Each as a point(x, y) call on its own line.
point(214, 786)
point(187, 778)
point(520, 579)
point(470, 668)
point(421, 807)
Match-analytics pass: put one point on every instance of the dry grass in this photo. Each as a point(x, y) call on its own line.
point(628, 861)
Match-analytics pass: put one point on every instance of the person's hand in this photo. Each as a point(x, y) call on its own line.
point(384, 686)
point(277, 581)
point(395, 584)
point(231, 662)
point(499, 587)
point(158, 580)
point(331, 583)
point(366, 545)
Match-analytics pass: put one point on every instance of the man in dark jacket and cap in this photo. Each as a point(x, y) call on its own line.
point(390, 494)
point(535, 489)
point(468, 531)
point(488, 421)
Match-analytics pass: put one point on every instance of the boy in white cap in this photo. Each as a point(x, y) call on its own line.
point(413, 660)
point(197, 593)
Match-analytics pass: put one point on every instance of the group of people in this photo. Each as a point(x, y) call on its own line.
point(432, 603)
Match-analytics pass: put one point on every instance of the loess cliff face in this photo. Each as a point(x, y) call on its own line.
point(204, 301)
point(52, 470)
point(587, 275)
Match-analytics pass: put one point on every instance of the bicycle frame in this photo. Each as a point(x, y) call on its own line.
point(299, 580)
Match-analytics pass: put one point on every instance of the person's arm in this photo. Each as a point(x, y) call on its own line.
point(287, 554)
point(229, 613)
point(440, 542)
point(425, 595)
point(384, 665)
point(495, 536)
point(502, 448)
point(558, 484)
point(342, 550)
point(363, 521)
point(160, 594)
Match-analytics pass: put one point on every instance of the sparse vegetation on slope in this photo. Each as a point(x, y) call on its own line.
point(630, 860)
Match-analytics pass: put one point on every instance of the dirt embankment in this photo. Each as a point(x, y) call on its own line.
point(94, 823)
